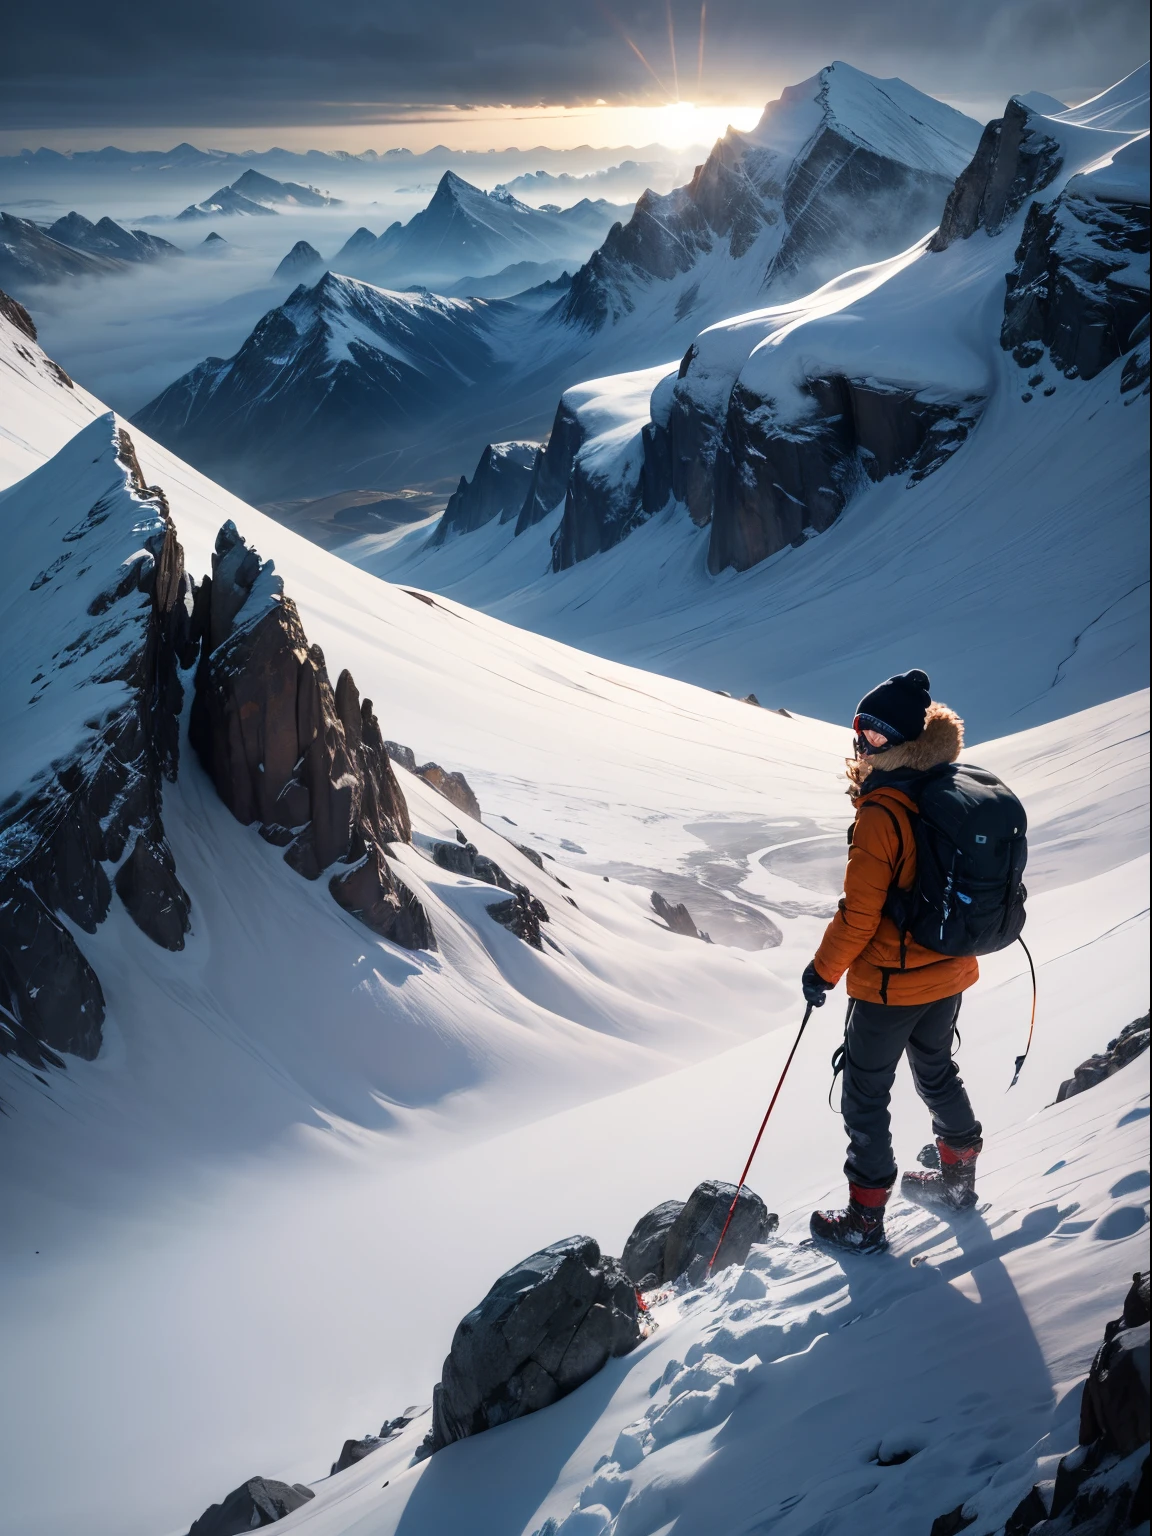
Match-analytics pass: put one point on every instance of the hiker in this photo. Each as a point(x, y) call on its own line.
point(903, 996)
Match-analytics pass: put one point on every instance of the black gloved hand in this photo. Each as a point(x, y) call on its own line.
point(813, 986)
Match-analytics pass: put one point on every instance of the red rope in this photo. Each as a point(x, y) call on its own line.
point(756, 1143)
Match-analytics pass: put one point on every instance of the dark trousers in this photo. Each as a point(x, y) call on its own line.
point(875, 1038)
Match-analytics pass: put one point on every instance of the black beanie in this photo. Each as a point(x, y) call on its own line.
point(902, 703)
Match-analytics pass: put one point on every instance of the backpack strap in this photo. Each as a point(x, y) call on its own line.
point(896, 903)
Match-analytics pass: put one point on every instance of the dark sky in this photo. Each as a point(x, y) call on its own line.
point(76, 63)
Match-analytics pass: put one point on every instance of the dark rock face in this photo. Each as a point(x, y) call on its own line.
point(1072, 287)
point(498, 487)
point(453, 786)
point(778, 481)
point(523, 915)
point(284, 750)
point(598, 513)
point(677, 916)
point(353, 1451)
point(693, 1236)
point(694, 439)
point(105, 799)
point(543, 1329)
point(17, 315)
point(1114, 1407)
point(1131, 1042)
point(463, 859)
point(643, 1257)
point(259, 1502)
point(1015, 157)
point(552, 468)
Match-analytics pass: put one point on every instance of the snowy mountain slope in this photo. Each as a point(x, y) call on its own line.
point(467, 232)
point(842, 168)
point(804, 1393)
point(245, 1171)
point(909, 393)
point(43, 407)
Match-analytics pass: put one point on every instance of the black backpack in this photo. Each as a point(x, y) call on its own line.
point(971, 848)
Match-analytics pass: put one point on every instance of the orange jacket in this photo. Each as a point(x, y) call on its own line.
point(866, 944)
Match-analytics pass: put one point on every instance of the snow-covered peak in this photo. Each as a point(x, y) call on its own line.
point(889, 117)
point(1123, 107)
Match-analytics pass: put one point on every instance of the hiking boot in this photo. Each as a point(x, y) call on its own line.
point(859, 1228)
point(951, 1186)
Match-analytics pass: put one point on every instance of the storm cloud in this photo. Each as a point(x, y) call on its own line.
point(257, 62)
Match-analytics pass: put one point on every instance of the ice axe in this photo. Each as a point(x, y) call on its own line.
point(756, 1143)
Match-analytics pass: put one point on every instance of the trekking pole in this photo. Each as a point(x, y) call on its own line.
point(756, 1143)
point(1020, 1060)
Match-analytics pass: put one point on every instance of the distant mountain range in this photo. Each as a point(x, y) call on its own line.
point(467, 232)
point(257, 194)
point(842, 170)
point(35, 255)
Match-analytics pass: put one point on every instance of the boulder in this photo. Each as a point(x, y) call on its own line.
point(643, 1257)
point(453, 786)
point(693, 1236)
point(259, 1502)
point(1128, 1044)
point(544, 1328)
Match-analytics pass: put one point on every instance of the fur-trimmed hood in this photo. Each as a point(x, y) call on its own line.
point(941, 741)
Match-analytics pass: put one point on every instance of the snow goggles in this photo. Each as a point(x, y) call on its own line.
point(864, 747)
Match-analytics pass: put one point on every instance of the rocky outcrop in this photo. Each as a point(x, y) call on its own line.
point(522, 914)
point(1114, 1408)
point(15, 313)
point(777, 480)
point(498, 488)
point(677, 917)
point(259, 1502)
point(1102, 1486)
point(602, 508)
point(285, 750)
point(1080, 284)
point(643, 1257)
point(452, 785)
point(1015, 157)
point(693, 1236)
point(544, 1328)
point(354, 1451)
point(1131, 1042)
point(552, 468)
point(103, 805)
